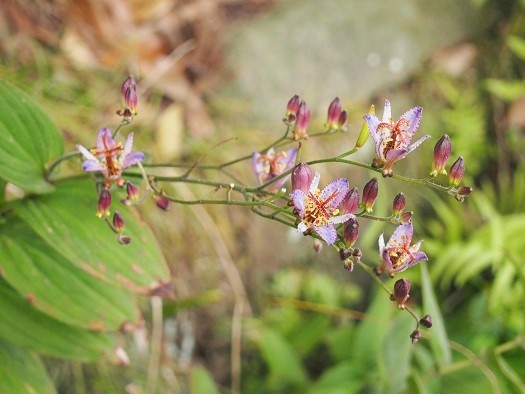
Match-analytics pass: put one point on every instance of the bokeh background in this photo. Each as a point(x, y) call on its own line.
point(257, 309)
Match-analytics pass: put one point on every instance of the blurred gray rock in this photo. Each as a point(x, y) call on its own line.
point(347, 48)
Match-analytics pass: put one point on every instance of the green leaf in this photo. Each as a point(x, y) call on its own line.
point(506, 90)
point(284, 364)
point(343, 378)
point(439, 339)
point(25, 326)
point(66, 221)
point(22, 372)
point(30, 140)
point(202, 382)
point(57, 287)
point(517, 45)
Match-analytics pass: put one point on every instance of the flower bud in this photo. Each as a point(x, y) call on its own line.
point(351, 231)
point(128, 92)
point(398, 205)
point(401, 292)
point(162, 202)
point(132, 191)
point(463, 192)
point(334, 111)
point(406, 217)
point(300, 131)
point(442, 151)
point(426, 321)
point(302, 177)
point(350, 202)
point(415, 336)
point(118, 222)
point(345, 254)
point(104, 202)
point(123, 239)
point(365, 132)
point(370, 191)
point(457, 170)
point(291, 110)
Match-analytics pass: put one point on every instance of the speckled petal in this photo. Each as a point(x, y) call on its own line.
point(417, 143)
point(298, 197)
point(413, 117)
point(327, 233)
point(315, 183)
point(257, 166)
point(373, 123)
point(86, 153)
point(132, 159)
point(402, 236)
point(341, 218)
point(385, 260)
point(396, 155)
point(105, 139)
point(93, 165)
point(128, 145)
point(334, 193)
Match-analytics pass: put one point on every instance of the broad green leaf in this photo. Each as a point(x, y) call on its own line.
point(22, 372)
point(506, 90)
point(343, 378)
point(66, 220)
point(24, 326)
point(202, 382)
point(30, 140)
point(310, 334)
point(284, 364)
point(517, 45)
point(57, 287)
point(439, 338)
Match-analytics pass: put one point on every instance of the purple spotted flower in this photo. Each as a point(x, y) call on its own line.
point(397, 255)
point(318, 209)
point(110, 157)
point(392, 139)
point(271, 165)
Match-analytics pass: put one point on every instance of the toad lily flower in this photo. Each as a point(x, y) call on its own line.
point(397, 255)
point(110, 157)
point(392, 139)
point(318, 210)
point(271, 165)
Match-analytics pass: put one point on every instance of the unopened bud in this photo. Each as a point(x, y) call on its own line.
point(123, 239)
point(291, 110)
point(401, 292)
point(118, 222)
point(350, 202)
point(442, 151)
point(128, 92)
point(104, 202)
point(300, 131)
point(342, 122)
point(457, 170)
point(463, 192)
point(301, 177)
point(345, 254)
point(406, 217)
point(351, 231)
point(426, 321)
point(398, 205)
point(162, 202)
point(365, 132)
point(132, 191)
point(370, 191)
point(334, 111)
point(415, 336)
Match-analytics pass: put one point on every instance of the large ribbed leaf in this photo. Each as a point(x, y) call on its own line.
point(57, 287)
point(22, 372)
point(66, 221)
point(25, 326)
point(28, 140)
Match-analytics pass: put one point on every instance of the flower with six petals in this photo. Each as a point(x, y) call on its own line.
point(318, 209)
point(397, 255)
point(268, 166)
point(392, 139)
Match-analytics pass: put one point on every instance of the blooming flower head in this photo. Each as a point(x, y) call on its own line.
point(397, 255)
point(271, 165)
point(110, 157)
point(392, 139)
point(318, 209)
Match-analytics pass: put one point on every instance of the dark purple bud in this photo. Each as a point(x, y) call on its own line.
point(401, 292)
point(463, 192)
point(348, 265)
point(334, 111)
point(123, 239)
point(104, 202)
point(350, 202)
point(457, 170)
point(302, 177)
point(300, 131)
point(415, 336)
point(406, 217)
point(426, 321)
point(351, 231)
point(442, 151)
point(345, 254)
point(128, 92)
point(291, 110)
point(342, 121)
point(133, 191)
point(398, 205)
point(370, 191)
point(118, 222)
point(162, 202)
